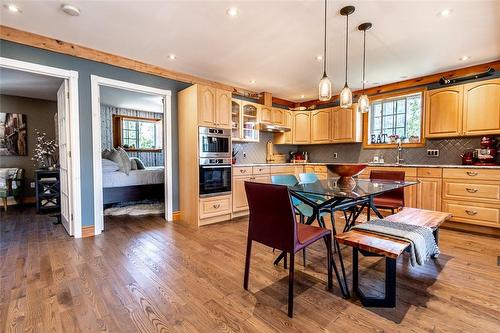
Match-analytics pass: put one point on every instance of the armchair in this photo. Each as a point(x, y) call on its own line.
point(11, 184)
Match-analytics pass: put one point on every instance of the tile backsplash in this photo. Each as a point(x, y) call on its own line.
point(256, 151)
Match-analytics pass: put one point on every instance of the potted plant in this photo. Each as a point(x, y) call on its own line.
point(45, 150)
point(393, 138)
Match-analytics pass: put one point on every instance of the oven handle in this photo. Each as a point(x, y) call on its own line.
point(215, 166)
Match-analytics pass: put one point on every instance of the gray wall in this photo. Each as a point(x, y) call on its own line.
point(107, 112)
point(39, 115)
point(86, 68)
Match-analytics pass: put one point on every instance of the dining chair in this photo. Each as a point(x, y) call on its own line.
point(394, 199)
point(272, 223)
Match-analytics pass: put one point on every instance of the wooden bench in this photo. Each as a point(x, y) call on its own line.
point(391, 248)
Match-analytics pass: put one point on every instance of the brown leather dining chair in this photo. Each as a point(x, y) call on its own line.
point(394, 199)
point(272, 223)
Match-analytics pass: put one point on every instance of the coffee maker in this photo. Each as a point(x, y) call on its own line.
point(487, 154)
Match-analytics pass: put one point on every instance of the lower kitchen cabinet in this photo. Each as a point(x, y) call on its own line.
point(239, 195)
point(429, 193)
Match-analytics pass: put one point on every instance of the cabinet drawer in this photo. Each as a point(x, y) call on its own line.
point(472, 174)
point(261, 170)
point(287, 169)
point(475, 214)
point(214, 206)
point(320, 168)
point(309, 169)
point(479, 190)
point(430, 172)
point(409, 172)
point(242, 171)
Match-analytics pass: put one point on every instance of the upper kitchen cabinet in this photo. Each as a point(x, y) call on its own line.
point(481, 108)
point(214, 107)
point(443, 112)
point(236, 119)
point(266, 114)
point(320, 126)
point(346, 125)
point(245, 120)
point(278, 116)
point(301, 127)
point(286, 137)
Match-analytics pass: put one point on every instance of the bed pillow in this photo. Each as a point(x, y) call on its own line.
point(133, 164)
point(125, 160)
point(106, 153)
point(139, 163)
point(109, 166)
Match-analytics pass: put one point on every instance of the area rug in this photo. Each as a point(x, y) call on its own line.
point(136, 209)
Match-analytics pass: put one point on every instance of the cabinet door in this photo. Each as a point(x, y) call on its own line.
point(206, 106)
point(321, 126)
point(266, 115)
point(482, 108)
point(411, 193)
point(346, 125)
point(443, 112)
point(239, 196)
point(236, 128)
point(278, 117)
point(250, 113)
point(302, 127)
point(223, 109)
point(429, 193)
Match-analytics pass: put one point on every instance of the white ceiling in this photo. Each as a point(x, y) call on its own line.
point(24, 84)
point(131, 100)
point(275, 42)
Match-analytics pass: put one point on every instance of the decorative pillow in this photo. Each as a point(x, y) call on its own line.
point(125, 160)
point(106, 153)
point(109, 166)
point(140, 164)
point(133, 164)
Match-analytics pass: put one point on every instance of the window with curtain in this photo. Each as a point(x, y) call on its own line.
point(139, 134)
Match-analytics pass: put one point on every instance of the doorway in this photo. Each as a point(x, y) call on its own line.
point(66, 126)
point(102, 194)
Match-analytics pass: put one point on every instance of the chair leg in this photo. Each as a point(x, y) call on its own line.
point(4, 204)
point(302, 220)
point(291, 276)
point(285, 259)
point(247, 264)
point(329, 260)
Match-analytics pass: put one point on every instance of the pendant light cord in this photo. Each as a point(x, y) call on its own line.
point(364, 58)
point(346, 45)
point(324, 48)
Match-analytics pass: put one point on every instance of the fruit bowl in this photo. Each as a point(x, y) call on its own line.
point(346, 171)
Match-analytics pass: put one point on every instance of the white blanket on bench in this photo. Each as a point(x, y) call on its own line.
point(421, 239)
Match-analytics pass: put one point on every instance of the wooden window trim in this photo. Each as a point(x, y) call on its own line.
point(116, 129)
point(392, 95)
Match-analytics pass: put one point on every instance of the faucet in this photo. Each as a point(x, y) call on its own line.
point(399, 160)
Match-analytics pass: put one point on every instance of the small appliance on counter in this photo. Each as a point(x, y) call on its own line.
point(299, 157)
point(487, 154)
point(468, 157)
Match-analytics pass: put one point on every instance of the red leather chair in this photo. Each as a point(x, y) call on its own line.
point(272, 223)
point(394, 199)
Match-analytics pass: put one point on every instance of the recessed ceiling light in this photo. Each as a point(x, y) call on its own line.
point(172, 56)
point(302, 96)
point(70, 10)
point(232, 12)
point(445, 12)
point(319, 57)
point(463, 58)
point(12, 8)
point(253, 81)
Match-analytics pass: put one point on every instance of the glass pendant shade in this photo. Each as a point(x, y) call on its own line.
point(325, 89)
point(363, 104)
point(345, 97)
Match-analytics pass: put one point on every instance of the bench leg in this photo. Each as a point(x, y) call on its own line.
point(389, 300)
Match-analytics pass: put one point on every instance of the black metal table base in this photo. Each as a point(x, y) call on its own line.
point(389, 299)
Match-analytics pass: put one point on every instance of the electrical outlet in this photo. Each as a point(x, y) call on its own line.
point(244, 155)
point(432, 152)
point(335, 155)
point(32, 184)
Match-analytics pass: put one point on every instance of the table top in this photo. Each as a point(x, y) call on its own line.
point(360, 188)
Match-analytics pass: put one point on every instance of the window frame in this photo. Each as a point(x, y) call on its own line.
point(117, 131)
point(391, 96)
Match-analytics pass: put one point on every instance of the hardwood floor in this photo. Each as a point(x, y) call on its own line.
point(145, 275)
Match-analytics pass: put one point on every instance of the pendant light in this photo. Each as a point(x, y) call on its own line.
point(346, 93)
point(363, 101)
point(325, 85)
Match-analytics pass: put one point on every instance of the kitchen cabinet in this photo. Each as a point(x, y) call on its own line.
point(481, 108)
point(240, 176)
point(443, 112)
point(223, 108)
point(244, 121)
point(301, 127)
point(429, 193)
point(278, 116)
point(214, 107)
point(321, 121)
point(266, 115)
point(286, 137)
point(346, 125)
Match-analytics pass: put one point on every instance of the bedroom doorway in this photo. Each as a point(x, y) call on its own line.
point(29, 84)
point(131, 143)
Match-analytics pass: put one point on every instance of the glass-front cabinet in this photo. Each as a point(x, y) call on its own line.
point(245, 121)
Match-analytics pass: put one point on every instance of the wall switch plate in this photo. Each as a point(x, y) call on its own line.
point(432, 152)
point(335, 155)
point(32, 184)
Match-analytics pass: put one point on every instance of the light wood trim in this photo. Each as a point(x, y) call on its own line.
point(88, 231)
point(176, 216)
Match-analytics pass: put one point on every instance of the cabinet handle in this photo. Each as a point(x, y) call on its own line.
point(216, 206)
point(471, 212)
point(261, 169)
point(243, 171)
point(472, 173)
point(471, 190)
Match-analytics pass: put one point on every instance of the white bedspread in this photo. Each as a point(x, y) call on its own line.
point(150, 175)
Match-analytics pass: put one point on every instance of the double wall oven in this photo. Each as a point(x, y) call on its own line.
point(215, 161)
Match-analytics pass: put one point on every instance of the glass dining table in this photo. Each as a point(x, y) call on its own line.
point(349, 197)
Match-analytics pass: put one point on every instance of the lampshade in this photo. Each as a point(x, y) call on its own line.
point(363, 104)
point(325, 89)
point(345, 97)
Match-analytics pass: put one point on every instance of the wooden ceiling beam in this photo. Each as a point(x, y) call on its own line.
point(416, 82)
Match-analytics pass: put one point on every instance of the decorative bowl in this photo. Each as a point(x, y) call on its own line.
point(347, 170)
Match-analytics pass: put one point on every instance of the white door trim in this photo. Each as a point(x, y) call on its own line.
point(74, 129)
point(95, 83)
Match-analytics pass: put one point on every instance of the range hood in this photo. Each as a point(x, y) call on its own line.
point(273, 128)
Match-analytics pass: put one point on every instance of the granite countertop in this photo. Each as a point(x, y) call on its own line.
point(379, 164)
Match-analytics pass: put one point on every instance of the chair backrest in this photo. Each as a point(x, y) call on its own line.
point(272, 217)
point(308, 177)
point(397, 195)
point(288, 180)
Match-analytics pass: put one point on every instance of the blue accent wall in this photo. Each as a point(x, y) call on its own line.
point(85, 68)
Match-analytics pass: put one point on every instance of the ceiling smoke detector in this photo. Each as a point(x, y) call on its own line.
point(70, 10)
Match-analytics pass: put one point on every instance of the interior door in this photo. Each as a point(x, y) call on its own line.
point(64, 155)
